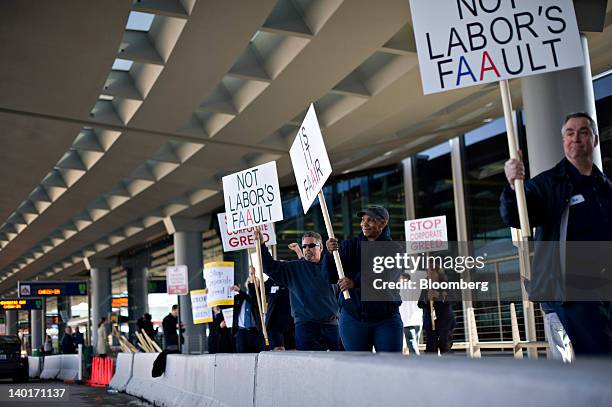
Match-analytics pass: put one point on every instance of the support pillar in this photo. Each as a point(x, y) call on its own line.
point(138, 290)
point(100, 271)
point(36, 330)
point(188, 251)
point(11, 322)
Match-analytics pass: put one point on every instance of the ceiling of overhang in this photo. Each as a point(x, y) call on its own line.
point(108, 126)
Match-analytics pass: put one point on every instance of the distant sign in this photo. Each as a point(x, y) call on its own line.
point(177, 280)
point(243, 239)
point(44, 288)
point(21, 303)
point(219, 276)
point(252, 197)
point(199, 308)
point(228, 317)
point(426, 234)
point(119, 302)
point(309, 158)
point(470, 42)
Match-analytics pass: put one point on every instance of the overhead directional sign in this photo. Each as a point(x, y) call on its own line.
point(309, 158)
point(469, 42)
point(43, 288)
point(21, 303)
point(252, 197)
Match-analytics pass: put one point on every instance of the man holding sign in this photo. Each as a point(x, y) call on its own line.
point(570, 202)
point(313, 300)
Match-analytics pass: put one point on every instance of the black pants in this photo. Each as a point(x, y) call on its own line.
point(249, 341)
point(441, 339)
point(588, 325)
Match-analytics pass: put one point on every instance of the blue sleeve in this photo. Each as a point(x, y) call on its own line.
point(278, 271)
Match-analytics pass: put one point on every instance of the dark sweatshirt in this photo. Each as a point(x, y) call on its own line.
point(312, 296)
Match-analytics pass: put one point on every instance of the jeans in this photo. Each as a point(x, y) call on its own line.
point(558, 341)
point(359, 336)
point(413, 334)
point(316, 336)
point(589, 326)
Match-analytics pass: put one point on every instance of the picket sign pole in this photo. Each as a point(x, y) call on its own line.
point(264, 330)
point(262, 287)
point(432, 310)
point(519, 186)
point(330, 234)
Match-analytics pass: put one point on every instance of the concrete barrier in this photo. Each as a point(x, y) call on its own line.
point(142, 383)
point(70, 367)
point(234, 382)
point(34, 366)
point(123, 371)
point(51, 366)
point(302, 378)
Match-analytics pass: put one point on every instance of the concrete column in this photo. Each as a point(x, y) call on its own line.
point(188, 251)
point(36, 330)
point(100, 271)
point(11, 322)
point(547, 99)
point(138, 290)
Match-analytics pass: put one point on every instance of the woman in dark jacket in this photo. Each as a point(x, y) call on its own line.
point(220, 336)
point(368, 324)
point(438, 335)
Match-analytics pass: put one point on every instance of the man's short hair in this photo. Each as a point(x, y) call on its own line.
point(580, 115)
point(175, 306)
point(317, 237)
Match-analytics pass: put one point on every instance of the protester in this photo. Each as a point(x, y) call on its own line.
point(170, 327)
point(102, 347)
point(313, 302)
point(77, 337)
point(438, 337)
point(570, 202)
point(145, 325)
point(67, 345)
point(412, 318)
point(247, 321)
point(48, 346)
point(365, 324)
point(280, 324)
point(220, 336)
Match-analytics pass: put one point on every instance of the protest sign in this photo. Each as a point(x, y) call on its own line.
point(244, 238)
point(470, 42)
point(176, 279)
point(252, 197)
point(199, 308)
point(219, 276)
point(228, 316)
point(309, 158)
point(426, 234)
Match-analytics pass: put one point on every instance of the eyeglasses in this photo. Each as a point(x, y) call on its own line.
point(310, 245)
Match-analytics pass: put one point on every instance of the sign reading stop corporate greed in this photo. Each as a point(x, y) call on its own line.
point(426, 234)
point(252, 197)
point(243, 239)
point(219, 276)
point(309, 158)
point(176, 279)
point(468, 42)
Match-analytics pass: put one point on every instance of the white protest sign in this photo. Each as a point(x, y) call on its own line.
point(309, 158)
point(244, 239)
point(219, 276)
point(252, 197)
point(426, 234)
point(228, 317)
point(199, 308)
point(176, 280)
point(469, 42)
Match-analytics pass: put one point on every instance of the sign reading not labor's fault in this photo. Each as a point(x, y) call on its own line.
point(469, 42)
point(311, 164)
point(244, 238)
point(426, 234)
point(252, 197)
